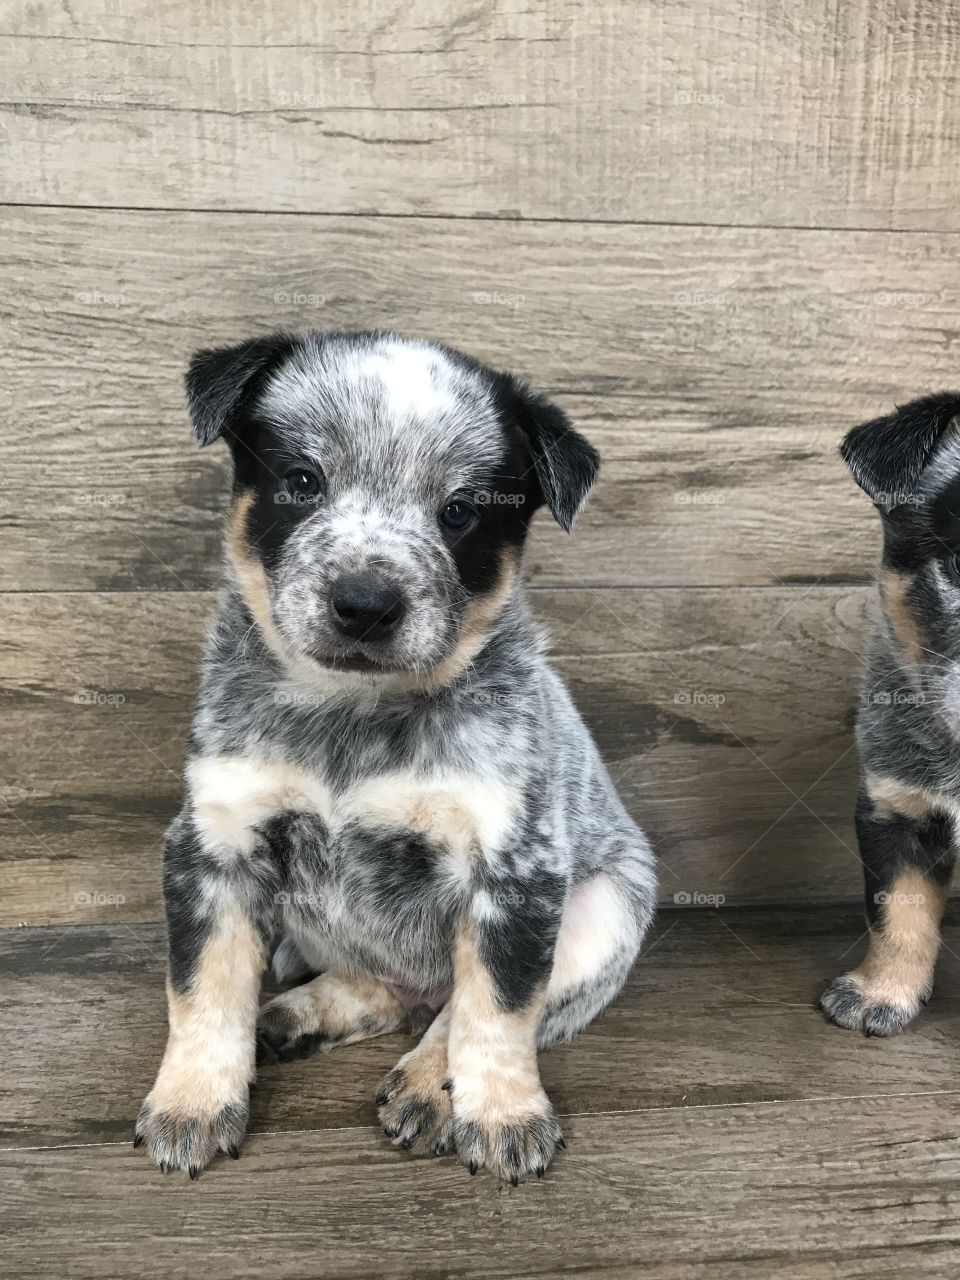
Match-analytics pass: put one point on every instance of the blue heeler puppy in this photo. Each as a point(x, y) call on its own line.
point(384, 773)
point(908, 727)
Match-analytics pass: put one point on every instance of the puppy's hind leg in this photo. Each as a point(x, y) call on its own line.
point(333, 1009)
point(603, 926)
point(906, 846)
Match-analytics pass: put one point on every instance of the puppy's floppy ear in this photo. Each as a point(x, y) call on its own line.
point(888, 455)
point(219, 381)
point(566, 464)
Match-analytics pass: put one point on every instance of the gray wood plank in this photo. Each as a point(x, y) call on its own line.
point(719, 1011)
point(715, 369)
point(826, 1189)
point(712, 112)
point(688, 693)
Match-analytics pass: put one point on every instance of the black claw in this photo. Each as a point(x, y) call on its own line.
point(233, 1151)
point(473, 1167)
point(137, 1140)
point(164, 1167)
point(407, 1143)
point(540, 1171)
point(447, 1086)
point(514, 1180)
point(392, 1133)
point(561, 1144)
point(382, 1098)
point(194, 1172)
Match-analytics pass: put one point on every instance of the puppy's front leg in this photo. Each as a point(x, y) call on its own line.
point(219, 917)
point(502, 1119)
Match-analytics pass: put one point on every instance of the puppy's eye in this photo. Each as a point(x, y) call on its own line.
point(953, 565)
point(300, 484)
point(457, 515)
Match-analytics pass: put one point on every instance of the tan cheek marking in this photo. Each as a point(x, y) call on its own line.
point(493, 1055)
point(899, 966)
point(249, 573)
point(478, 618)
point(209, 1059)
point(891, 796)
point(893, 591)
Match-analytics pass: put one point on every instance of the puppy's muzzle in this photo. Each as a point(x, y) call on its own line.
point(365, 607)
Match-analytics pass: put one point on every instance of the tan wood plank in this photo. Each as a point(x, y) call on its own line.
point(739, 765)
point(718, 111)
point(715, 369)
point(811, 1189)
point(719, 1010)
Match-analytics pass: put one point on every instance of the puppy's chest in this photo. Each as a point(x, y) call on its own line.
point(366, 833)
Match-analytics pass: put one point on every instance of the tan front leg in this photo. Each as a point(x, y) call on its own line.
point(200, 1101)
point(502, 1118)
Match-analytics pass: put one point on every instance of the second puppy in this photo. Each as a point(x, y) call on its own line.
point(908, 727)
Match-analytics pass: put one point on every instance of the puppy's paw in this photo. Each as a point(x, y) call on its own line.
point(513, 1142)
point(849, 1003)
point(414, 1108)
point(180, 1134)
point(288, 1028)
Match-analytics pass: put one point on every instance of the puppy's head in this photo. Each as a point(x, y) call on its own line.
point(383, 491)
point(909, 465)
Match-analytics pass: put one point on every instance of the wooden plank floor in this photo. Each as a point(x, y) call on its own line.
point(712, 1118)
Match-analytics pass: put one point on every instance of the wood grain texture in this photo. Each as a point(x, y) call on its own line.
point(719, 1011)
point(740, 767)
point(814, 113)
point(822, 1189)
point(715, 369)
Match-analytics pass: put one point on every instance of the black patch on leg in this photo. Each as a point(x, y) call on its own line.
point(517, 947)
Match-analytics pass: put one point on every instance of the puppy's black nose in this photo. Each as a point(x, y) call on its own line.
point(365, 607)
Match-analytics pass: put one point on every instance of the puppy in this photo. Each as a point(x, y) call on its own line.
point(383, 769)
point(908, 727)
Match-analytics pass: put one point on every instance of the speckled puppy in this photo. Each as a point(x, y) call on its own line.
point(383, 768)
point(908, 727)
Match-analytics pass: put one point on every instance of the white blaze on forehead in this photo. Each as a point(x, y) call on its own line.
point(416, 380)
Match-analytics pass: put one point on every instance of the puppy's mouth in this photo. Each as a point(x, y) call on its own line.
point(355, 662)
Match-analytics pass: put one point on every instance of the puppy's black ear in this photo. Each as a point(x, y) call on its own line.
point(220, 380)
point(888, 455)
point(566, 464)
